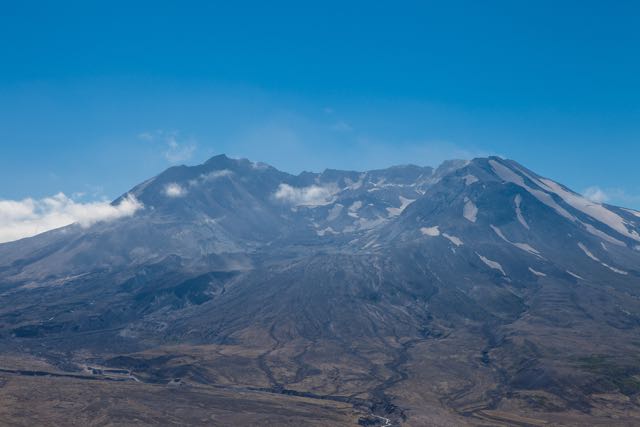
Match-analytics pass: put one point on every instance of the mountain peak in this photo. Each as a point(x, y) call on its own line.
point(221, 161)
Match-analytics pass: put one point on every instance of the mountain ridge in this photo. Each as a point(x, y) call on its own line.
point(460, 293)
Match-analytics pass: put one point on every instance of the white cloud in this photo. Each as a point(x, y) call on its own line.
point(174, 190)
point(28, 217)
point(313, 195)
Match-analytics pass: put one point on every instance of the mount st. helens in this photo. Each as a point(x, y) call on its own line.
point(477, 293)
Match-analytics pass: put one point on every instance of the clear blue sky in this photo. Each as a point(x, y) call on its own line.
point(97, 96)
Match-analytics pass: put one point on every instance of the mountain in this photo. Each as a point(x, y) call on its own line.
point(476, 293)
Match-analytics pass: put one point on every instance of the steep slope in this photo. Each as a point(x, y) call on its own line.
point(476, 292)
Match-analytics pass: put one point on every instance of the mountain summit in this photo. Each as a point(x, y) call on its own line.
point(476, 292)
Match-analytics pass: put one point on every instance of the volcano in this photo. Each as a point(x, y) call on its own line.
point(474, 293)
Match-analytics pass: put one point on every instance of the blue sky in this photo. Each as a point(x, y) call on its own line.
point(98, 96)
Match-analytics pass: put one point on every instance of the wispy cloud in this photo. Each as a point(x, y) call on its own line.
point(341, 126)
point(596, 194)
point(209, 177)
point(611, 195)
point(177, 149)
point(381, 153)
point(28, 217)
point(147, 136)
point(295, 143)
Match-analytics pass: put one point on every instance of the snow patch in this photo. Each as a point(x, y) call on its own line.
point(499, 233)
point(574, 275)
point(632, 212)
point(587, 252)
point(453, 239)
point(508, 175)
point(351, 185)
point(334, 212)
point(470, 210)
point(527, 248)
point(370, 243)
point(404, 202)
point(604, 236)
point(430, 231)
point(355, 206)
point(470, 179)
point(524, 246)
point(365, 224)
point(595, 258)
point(537, 273)
point(615, 270)
point(594, 210)
point(492, 264)
point(518, 201)
point(326, 231)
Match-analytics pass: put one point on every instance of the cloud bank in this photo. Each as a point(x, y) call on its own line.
point(28, 217)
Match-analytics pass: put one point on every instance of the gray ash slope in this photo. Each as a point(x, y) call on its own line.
point(231, 250)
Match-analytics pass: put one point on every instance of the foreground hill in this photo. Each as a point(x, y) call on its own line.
point(477, 293)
